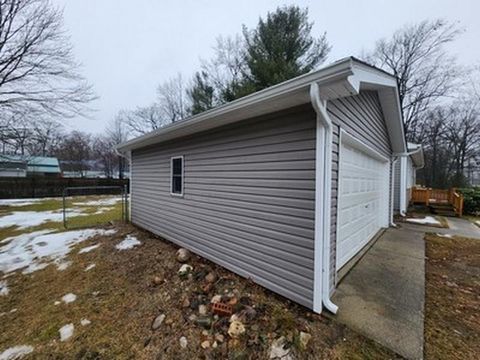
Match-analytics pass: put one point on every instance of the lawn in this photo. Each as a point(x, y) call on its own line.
point(111, 297)
point(452, 320)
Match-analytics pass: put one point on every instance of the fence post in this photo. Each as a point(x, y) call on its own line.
point(64, 217)
point(427, 199)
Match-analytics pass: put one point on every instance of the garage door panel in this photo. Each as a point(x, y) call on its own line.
point(361, 200)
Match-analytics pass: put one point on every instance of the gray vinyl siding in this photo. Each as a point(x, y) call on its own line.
point(249, 196)
point(362, 117)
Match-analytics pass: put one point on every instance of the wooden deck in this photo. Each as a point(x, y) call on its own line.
point(430, 196)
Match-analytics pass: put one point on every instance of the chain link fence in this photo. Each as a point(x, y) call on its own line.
point(85, 206)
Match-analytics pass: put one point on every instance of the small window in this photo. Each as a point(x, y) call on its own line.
point(176, 166)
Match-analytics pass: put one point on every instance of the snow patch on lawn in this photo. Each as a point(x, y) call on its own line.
point(85, 322)
point(26, 201)
point(4, 290)
point(63, 265)
point(477, 222)
point(445, 235)
point(26, 219)
point(66, 332)
point(101, 202)
point(88, 248)
point(16, 352)
point(90, 267)
point(128, 243)
point(68, 298)
point(34, 251)
point(427, 220)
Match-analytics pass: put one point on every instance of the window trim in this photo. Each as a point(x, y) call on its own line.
point(171, 175)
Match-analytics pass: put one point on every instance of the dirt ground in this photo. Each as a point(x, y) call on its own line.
point(128, 289)
point(452, 318)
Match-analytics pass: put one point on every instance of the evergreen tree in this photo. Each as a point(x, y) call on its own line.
point(201, 93)
point(282, 47)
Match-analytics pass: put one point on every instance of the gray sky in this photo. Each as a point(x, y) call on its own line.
point(128, 47)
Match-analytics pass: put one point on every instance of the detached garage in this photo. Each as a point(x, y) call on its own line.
point(285, 186)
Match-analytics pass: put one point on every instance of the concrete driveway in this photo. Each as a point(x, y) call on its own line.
point(383, 296)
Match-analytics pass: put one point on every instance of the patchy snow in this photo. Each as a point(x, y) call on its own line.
point(477, 222)
point(88, 248)
point(16, 352)
point(63, 265)
point(66, 332)
point(85, 322)
point(128, 243)
point(34, 251)
point(26, 219)
point(90, 267)
point(4, 290)
point(26, 201)
point(445, 235)
point(69, 298)
point(427, 220)
point(102, 202)
point(57, 303)
point(13, 310)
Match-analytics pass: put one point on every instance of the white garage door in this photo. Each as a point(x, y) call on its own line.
point(362, 198)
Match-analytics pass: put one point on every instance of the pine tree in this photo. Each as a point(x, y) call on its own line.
point(201, 93)
point(282, 47)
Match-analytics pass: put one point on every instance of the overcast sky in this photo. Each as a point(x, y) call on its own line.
point(128, 47)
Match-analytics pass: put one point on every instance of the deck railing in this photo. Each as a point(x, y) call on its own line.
point(430, 196)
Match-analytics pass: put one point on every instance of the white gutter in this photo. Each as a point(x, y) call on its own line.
point(323, 196)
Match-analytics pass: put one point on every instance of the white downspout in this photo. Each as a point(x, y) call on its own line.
point(323, 196)
point(392, 191)
point(403, 186)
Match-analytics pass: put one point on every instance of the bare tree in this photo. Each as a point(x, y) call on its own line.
point(37, 68)
point(75, 152)
point(172, 99)
point(227, 67)
point(116, 134)
point(142, 120)
point(416, 55)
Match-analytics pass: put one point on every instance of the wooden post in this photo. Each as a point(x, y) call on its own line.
point(427, 194)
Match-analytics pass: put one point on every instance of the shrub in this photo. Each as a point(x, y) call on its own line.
point(471, 200)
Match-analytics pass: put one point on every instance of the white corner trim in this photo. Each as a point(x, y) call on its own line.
point(171, 175)
point(323, 193)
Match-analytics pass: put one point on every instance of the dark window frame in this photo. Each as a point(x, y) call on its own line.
point(181, 176)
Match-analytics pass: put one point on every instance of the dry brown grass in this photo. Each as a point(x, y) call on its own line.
point(452, 320)
point(122, 313)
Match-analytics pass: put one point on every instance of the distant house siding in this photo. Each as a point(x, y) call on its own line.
point(248, 204)
point(362, 117)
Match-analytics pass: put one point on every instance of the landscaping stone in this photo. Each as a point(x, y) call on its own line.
point(216, 299)
point(211, 277)
point(236, 329)
point(158, 321)
point(304, 339)
point(183, 342)
point(185, 269)
point(183, 255)
point(278, 350)
point(158, 280)
point(202, 309)
point(204, 322)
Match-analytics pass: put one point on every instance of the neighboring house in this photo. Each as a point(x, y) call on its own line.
point(22, 166)
point(285, 186)
point(405, 174)
point(12, 168)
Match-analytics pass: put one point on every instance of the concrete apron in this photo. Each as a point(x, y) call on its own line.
point(383, 296)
